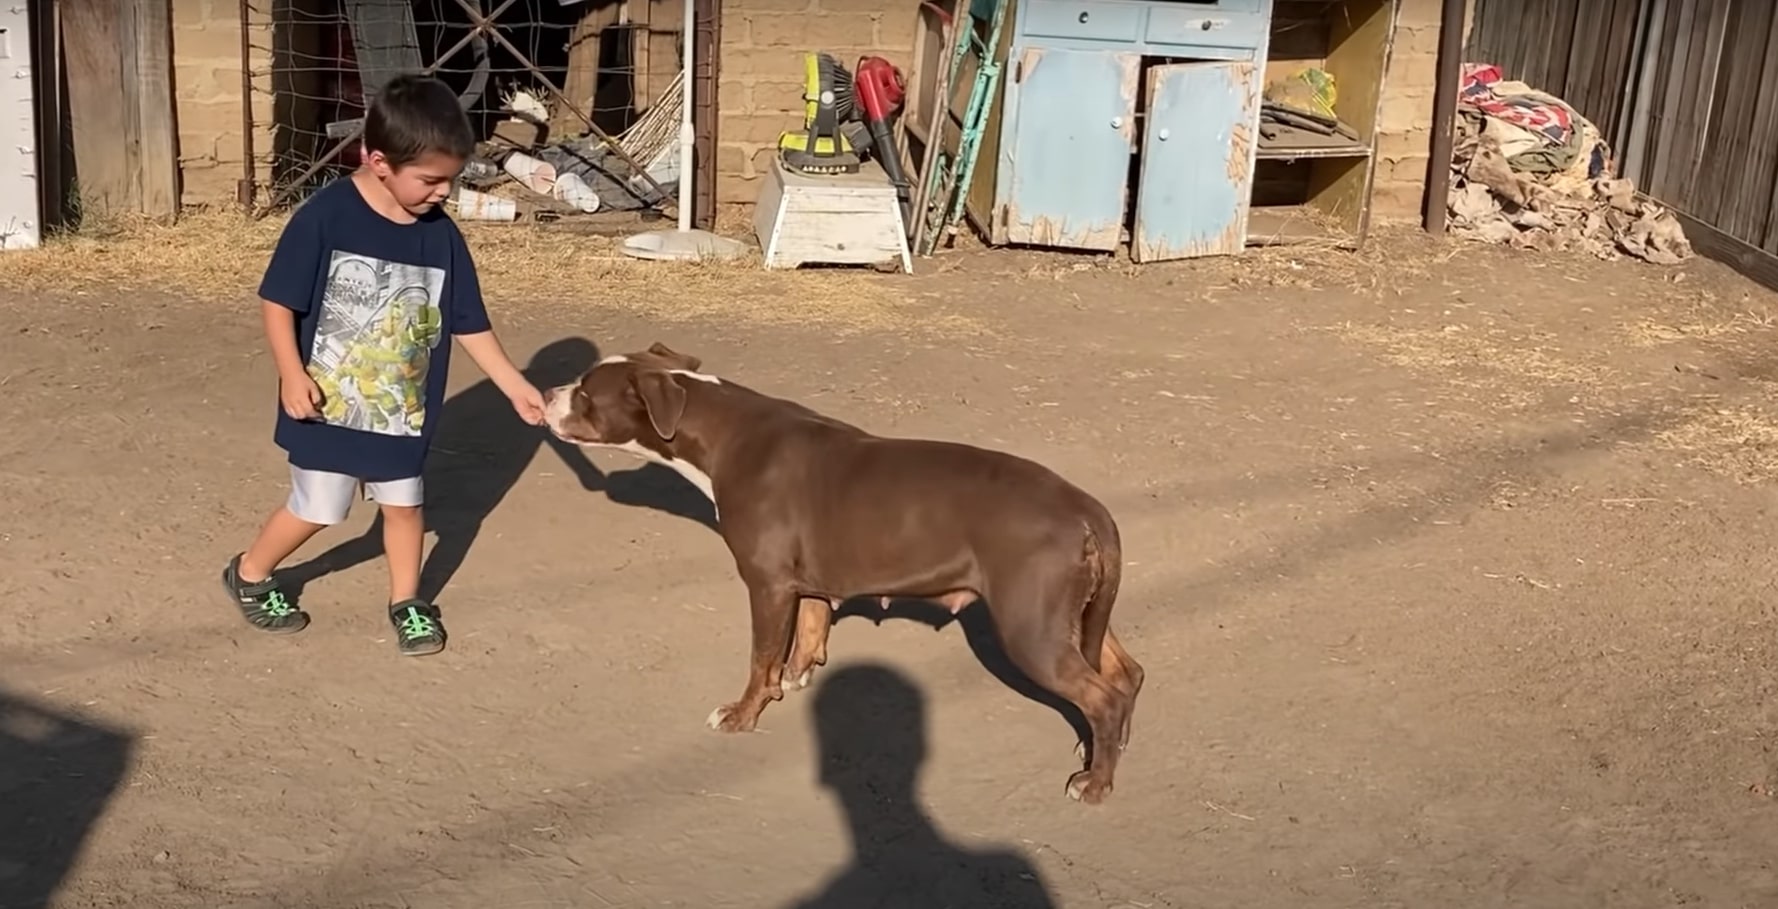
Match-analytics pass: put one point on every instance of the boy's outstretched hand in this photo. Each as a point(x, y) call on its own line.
point(528, 402)
point(487, 353)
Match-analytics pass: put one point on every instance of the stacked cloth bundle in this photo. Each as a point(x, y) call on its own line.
point(1528, 170)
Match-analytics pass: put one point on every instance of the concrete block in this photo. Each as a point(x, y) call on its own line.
point(732, 97)
point(207, 41)
point(764, 63)
point(1419, 12)
point(754, 129)
point(733, 159)
point(777, 97)
point(817, 31)
point(744, 6)
point(1400, 143)
point(737, 190)
point(1396, 200)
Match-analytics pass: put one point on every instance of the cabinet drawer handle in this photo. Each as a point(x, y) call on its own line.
point(1164, 134)
point(1117, 123)
point(1083, 17)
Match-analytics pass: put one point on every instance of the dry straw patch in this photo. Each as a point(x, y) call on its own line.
point(525, 269)
point(1740, 443)
point(1462, 350)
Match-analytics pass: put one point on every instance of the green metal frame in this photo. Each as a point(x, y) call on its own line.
point(947, 186)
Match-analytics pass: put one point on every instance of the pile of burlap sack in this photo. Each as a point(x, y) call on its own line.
point(1511, 185)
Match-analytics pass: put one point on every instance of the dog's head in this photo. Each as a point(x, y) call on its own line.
point(627, 399)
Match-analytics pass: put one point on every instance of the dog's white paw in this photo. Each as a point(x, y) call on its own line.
point(718, 717)
point(800, 682)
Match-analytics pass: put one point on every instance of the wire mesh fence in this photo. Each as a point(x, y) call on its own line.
point(593, 83)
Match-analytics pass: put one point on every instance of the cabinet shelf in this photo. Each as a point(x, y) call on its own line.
point(1310, 187)
point(1287, 143)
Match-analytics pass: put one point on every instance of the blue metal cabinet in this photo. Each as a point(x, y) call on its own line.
point(1072, 122)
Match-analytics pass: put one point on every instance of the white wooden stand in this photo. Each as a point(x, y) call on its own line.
point(844, 219)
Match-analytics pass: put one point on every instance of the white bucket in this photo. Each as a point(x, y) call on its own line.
point(540, 176)
point(474, 206)
point(570, 188)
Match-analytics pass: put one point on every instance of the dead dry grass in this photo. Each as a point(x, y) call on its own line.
point(1739, 442)
point(524, 268)
point(1460, 351)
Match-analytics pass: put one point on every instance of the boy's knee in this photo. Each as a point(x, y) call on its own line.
point(399, 512)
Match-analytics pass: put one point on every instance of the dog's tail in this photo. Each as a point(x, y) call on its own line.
point(1103, 554)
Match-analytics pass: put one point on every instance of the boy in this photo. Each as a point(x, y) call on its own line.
point(368, 284)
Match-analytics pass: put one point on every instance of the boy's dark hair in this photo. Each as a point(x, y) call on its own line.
point(415, 115)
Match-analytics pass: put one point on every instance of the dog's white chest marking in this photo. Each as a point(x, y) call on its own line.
point(684, 468)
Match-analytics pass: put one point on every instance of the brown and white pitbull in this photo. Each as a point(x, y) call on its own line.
point(816, 512)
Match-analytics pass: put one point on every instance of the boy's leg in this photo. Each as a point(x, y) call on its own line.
point(316, 500)
point(419, 629)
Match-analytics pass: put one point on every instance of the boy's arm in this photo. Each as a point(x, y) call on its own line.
point(471, 328)
point(280, 337)
point(485, 349)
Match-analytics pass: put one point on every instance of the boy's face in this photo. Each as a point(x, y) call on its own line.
point(419, 185)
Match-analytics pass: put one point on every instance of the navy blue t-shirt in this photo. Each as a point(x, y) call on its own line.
point(377, 303)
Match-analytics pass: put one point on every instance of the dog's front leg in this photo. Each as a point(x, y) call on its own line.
point(774, 611)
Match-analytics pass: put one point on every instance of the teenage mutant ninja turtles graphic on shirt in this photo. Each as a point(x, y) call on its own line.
point(373, 345)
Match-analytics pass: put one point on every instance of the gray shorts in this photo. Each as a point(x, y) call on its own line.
point(319, 497)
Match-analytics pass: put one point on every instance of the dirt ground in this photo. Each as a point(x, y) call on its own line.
point(1450, 567)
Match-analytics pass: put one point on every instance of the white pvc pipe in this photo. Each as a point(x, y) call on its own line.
point(687, 142)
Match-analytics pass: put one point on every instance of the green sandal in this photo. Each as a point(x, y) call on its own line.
point(263, 603)
point(418, 628)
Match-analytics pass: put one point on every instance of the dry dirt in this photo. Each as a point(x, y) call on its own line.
point(1451, 569)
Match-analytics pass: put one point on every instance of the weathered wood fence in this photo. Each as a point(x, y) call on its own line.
point(1686, 92)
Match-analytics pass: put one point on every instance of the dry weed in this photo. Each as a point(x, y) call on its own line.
point(220, 254)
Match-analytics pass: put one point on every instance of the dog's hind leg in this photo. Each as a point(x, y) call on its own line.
point(1042, 643)
point(1124, 672)
point(814, 619)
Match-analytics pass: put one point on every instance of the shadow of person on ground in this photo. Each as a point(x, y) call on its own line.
point(984, 642)
point(870, 721)
point(56, 775)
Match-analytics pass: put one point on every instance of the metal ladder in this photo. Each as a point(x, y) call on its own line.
point(947, 181)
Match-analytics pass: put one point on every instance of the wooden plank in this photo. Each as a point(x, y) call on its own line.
point(581, 83)
point(157, 138)
point(1762, 164)
point(1748, 260)
point(97, 112)
point(1740, 210)
point(1676, 55)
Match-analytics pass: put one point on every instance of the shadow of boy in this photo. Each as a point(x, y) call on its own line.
point(479, 454)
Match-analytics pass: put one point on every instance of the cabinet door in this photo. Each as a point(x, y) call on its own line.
point(1064, 173)
point(1196, 183)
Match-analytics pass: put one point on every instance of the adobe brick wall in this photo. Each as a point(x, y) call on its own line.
point(761, 92)
point(761, 95)
point(1404, 130)
point(207, 97)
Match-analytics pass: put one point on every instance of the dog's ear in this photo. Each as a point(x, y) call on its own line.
point(686, 361)
point(663, 398)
